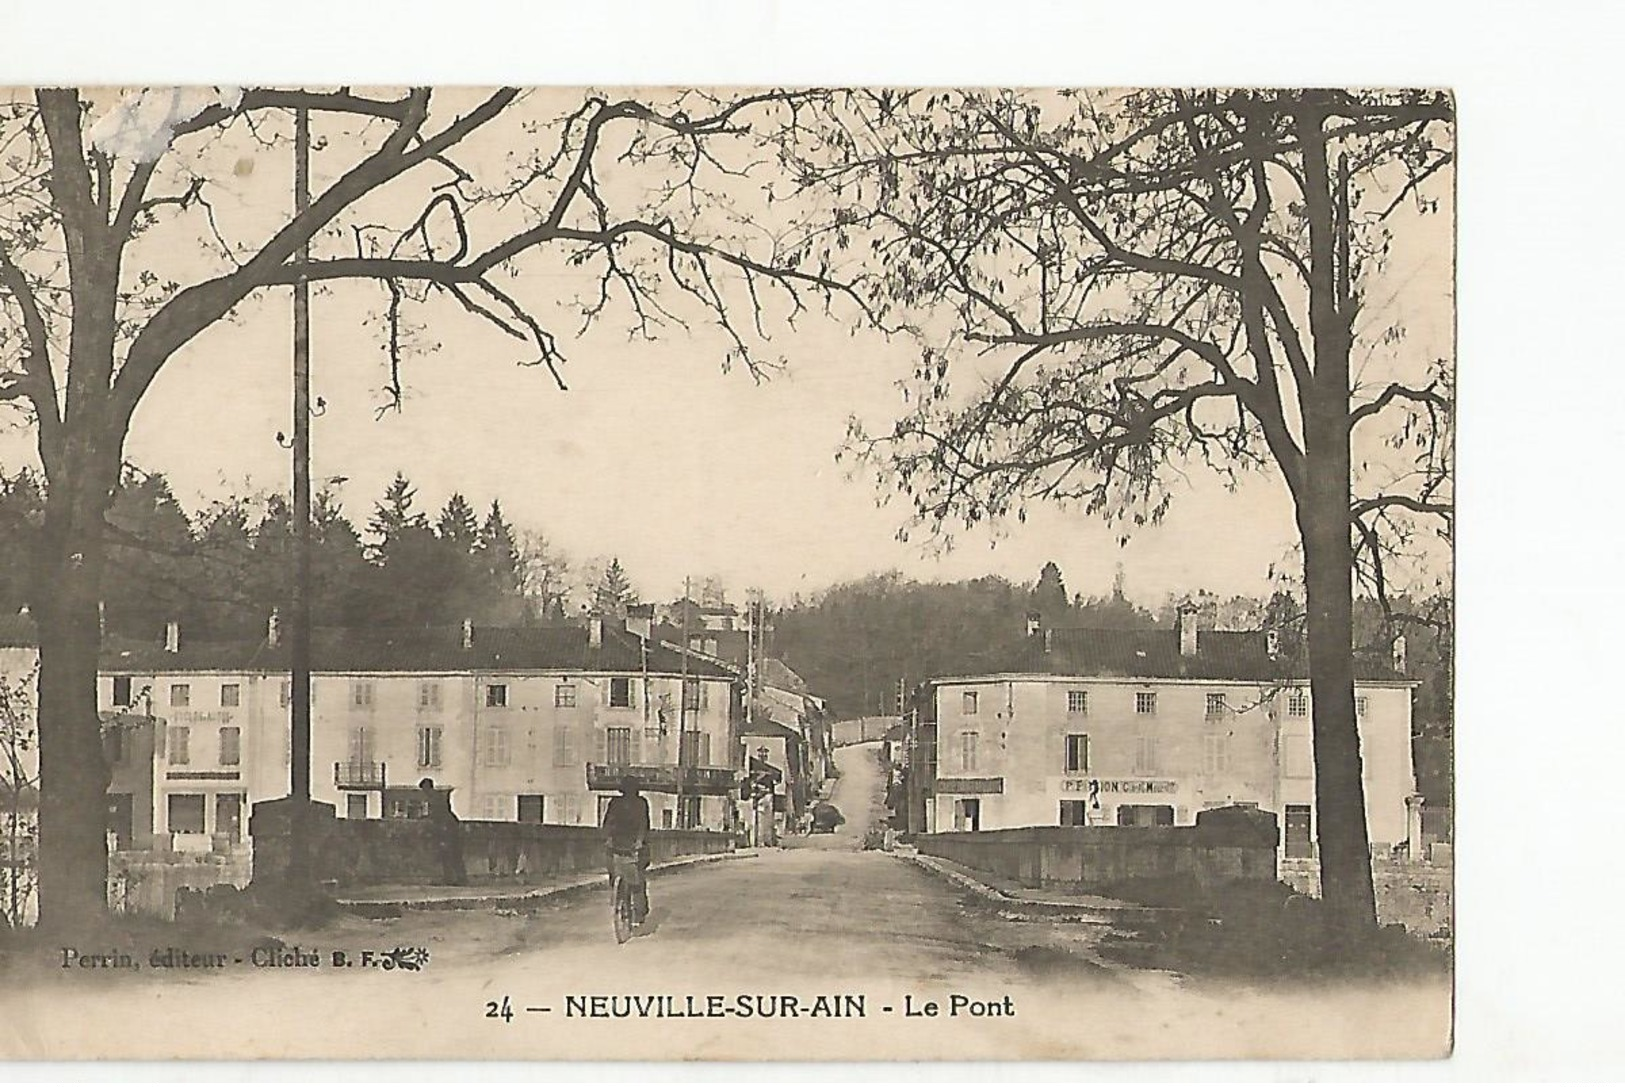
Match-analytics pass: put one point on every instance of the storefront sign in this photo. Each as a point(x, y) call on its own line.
point(1081, 785)
point(970, 785)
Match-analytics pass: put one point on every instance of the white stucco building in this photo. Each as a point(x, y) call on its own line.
point(1150, 728)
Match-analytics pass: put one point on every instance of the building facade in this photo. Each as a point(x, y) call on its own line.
point(1150, 728)
point(518, 724)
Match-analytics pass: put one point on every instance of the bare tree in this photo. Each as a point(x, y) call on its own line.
point(19, 792)
point(98, 194)
point(1111, 286)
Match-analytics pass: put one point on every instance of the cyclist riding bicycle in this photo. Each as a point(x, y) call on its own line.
point(626, 833)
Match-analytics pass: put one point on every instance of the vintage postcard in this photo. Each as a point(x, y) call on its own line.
point(718, 573)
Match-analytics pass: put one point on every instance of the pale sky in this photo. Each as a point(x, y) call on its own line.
point(654, 454)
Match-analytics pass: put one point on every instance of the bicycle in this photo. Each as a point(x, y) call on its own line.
point(624, 879)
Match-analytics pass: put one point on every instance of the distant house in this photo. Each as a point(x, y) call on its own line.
point(1146, 728)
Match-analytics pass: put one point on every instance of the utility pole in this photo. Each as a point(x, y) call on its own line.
point(682, 712)
point(299, 612)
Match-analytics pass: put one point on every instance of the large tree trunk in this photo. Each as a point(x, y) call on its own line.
point(1340, 819)
point(1328, 558)
point(73, 770)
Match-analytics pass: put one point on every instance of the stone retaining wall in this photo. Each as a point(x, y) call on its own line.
point(1225, 845)
point(1417, 894)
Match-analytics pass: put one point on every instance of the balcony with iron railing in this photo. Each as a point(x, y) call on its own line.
point(358, 774)
point(663, 778)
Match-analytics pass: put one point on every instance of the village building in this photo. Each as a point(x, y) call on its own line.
point(1149, 728)
point(528, 724)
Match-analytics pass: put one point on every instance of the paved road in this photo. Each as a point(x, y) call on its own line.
point(821, 918)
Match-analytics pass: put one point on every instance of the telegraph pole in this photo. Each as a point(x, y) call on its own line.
point(299, 611)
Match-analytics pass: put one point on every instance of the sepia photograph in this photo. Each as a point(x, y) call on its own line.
point(727, 573)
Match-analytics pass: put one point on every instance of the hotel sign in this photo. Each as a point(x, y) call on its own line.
point(1136, 785)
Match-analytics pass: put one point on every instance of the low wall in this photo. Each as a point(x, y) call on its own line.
point(1225, 845)
point(1417, 894)
point(370, 852)
point(149, 883)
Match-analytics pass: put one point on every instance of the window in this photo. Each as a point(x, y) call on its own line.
point(496, 747)
point(496, 695)
point(967, 750)
point(1215, 754)
point(620, 692)
point(1145, 702)
point(361, 695)
point(1359, 706)
point(355, 806)
point(688, 749)
point(564, 695)
point(1077, 753)
point(1215, 704)
point(564, 748)
point(710, 646)
point(531, 807)
point(1297, 703)
point(1077, 702)
point(1145, 756)
point(1074, 813)
point(428, 747)
point(180, 745)
point(428, 696)
point(180, 694)
point(231, 695)
point(688, 815)
point(968, 702)
point(618, 745)
point(691, 695)
point(360, 745)
point(186, 813)
point(285, 695)
point(231, 746)
point(121, 690)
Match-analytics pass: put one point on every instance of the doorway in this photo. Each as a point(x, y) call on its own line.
point(1299, 832)
point(228, 817)
point(968, 814)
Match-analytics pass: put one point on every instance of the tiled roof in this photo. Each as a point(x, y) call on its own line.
point(17, 630)
point(1154, 654)
point(432, 649)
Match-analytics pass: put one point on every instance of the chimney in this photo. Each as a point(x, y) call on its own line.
point(1272, 643)
point(1186, 625)
point(1399, 654)
point(468, 634)
point(595, 632)
point(1035, 623)
point(273, 630)
point(640, 621)
point(172, 637)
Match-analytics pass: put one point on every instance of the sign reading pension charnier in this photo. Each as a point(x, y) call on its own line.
point(1081, 785)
